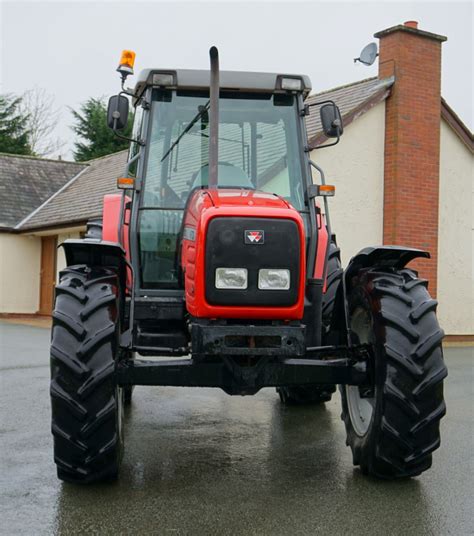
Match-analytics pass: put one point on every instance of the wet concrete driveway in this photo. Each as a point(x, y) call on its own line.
point(201, 462)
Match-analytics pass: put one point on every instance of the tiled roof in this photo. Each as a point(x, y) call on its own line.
point(349, 98)
point(26, 182)
point(82, 198)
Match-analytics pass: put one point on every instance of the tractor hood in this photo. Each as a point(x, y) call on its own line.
point(248, 230)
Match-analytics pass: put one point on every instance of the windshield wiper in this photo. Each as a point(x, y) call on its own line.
point(201, 112)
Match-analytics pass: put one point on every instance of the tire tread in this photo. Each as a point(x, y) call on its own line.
point(405, 429)
point(83, 392)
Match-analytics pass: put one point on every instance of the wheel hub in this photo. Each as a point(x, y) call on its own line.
point(360, 401)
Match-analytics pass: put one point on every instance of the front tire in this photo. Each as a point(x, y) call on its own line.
point(86, 402)
point(393, 426)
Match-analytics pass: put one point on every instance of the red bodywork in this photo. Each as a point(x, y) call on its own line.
point(111, 224)
point(207, 204)
point(201, 208)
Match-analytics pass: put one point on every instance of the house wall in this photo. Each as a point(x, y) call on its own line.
point(20, 270)
point(356, 167)
point(20, 263)
point(456, 235)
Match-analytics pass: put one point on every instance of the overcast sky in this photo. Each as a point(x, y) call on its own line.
point(71, 49)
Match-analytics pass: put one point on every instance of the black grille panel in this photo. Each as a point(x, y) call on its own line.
point(226, 248)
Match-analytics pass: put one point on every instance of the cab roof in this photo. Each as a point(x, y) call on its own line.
point(228, 80)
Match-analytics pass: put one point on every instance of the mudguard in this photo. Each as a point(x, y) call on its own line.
point(396, 257)
point(384, 256)
point(93, 252)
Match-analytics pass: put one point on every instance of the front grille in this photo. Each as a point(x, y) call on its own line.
point(226, 247)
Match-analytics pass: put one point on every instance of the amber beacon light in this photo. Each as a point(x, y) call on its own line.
point(127, 61)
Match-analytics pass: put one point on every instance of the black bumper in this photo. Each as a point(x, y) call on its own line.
point(244, 358)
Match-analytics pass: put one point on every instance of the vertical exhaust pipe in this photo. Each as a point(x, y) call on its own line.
point(213, 117)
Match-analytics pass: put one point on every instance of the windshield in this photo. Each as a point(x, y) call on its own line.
point(258, 149)
point(258, 146)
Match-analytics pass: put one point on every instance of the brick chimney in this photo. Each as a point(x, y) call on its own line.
point(412, 139)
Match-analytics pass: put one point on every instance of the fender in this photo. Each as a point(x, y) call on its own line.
point(92, 252)
point(384, 256)
point(396, 257)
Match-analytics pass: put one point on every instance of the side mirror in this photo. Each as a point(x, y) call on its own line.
point(331, 120)
point(117, 112)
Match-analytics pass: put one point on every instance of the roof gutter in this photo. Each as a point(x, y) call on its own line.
point(55, 228)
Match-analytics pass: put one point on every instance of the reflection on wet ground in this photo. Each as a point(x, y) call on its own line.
point(201, 462)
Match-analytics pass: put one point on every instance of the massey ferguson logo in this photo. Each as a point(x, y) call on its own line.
point(254, 237)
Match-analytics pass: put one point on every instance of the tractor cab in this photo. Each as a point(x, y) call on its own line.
point(261, 148)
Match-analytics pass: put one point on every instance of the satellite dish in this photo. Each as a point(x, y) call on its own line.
point(368, 54)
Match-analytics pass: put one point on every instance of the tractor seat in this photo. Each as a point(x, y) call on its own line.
point(229, 176)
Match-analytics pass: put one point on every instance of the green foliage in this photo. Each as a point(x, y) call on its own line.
point(91, 126)
point(14, 133)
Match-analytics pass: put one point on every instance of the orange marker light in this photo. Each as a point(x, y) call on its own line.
point(326, 190)
point(126, 183)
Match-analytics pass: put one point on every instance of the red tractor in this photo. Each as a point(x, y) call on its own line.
point(218, 260)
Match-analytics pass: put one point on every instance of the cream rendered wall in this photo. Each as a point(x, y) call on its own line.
point(20, 264)
point(60, 257)
point(456, 236)
point(356, 167)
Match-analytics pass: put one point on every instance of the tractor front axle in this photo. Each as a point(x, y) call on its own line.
point(241, 376)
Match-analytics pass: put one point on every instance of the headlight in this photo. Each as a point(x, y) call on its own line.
point(273, 279)
point(231, 278)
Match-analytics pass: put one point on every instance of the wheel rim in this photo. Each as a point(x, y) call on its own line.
point(361, 408)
